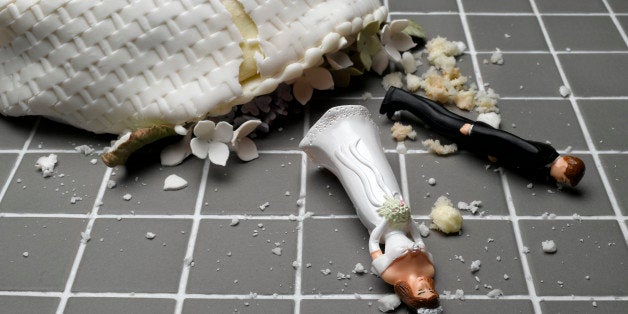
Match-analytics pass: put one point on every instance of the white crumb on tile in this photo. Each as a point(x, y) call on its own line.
point(497, 57)
point(359, 269)
point(426, 310)
point(46, 164)
point(388, 302)
point(495, 293)
point(506, 277)
point(264, 206)
point(424, 230)
point(85, 149)
point(475, 266)
point(341, 276)
point(85, 237)
point(507, 35)
point(287, 193)
point(564, 91)
point(75, 199)
point(174, 183)
point(525, 250)
point(326, 271)
point(459, 295)
point(150, 235)
point(530, 185)
point(435, 147)
point(127, 197)
point(431, 181)
point(548, 246)
point(276, 251)
point(93, 161)
point(367, 95)
point(25, 254)
point(111, 184)
point(234, 222)
point(295, 264)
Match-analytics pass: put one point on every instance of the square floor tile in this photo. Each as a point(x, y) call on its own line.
point(537, 73)
point(37, 253)
point(487, 306)
point(584, 306)
point(489, 32)
point(7, 162)
point(547, 121)
point(423, 6)
point(570, 6)
point(448, 26)
point(345, 307)
point(15, 131)
point(350, 246)
point(497, 6)
point(616, 169)
point(28, 305)
point(74, 177)
point(244, 258)
point(120, 258)
point(119, 305)
point(242, 187)
point(145, 185)
point(594, 33)
point(55, 135)
point(592, 75)
point(618, 6)
point(325, 194)
point(586, 199)
point(195, 306)
point(623, 21)
point(606, 122)
point(593, 248)
point(492, 243)
point(462, 177)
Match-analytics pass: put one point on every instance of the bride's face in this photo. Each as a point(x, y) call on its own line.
point(421, 288)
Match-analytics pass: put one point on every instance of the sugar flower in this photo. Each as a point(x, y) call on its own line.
point(245, 147)
point(211, 141)
point(395, 40)
point(313, 78)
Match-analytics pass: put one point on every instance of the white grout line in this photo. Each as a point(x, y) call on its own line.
point(81, 250)
point(527, 272)
point(616, 21)
point(18, 160)
point(189, 253)
point(583, 126)
point(472, 52)
point(298, 274)
point(506, 14)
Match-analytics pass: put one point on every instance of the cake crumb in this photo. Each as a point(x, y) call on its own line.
point(367, 95)
point(495, 293)
point(276, 251)
point(46, 164)
point(127, 197)
point(445, 217)
point(388, 302)
point(150, 235)
point(400, 132)
point(359, 269)
point(431, 181)
point(85, 149)
point(392, 79)
point(497, 57)
point(564, 91)
point(424, 230)
point(549, 246)
point(434, 146)
point(264, 206)
point(475, 266)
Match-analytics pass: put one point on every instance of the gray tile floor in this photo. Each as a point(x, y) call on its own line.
point(93, 256)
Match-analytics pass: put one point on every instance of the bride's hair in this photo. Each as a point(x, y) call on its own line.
point(410, 298)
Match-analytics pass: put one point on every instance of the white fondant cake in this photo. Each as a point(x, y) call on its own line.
point(114, 65)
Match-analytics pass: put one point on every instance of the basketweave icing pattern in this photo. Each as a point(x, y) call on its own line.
point(108, 66)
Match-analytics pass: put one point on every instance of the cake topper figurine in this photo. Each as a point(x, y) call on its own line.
point(346, 142)
point(537, 159)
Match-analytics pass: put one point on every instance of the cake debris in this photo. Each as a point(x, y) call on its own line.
point(475, 266)
point(392, 79)
point(46, 164)
point(234, 222)
point(25, 254)
point(445, 217)
point(431, 181)
point(424, 231)
point(400, 132)
point(435, 147)
point(276, 251)
point(85, 149)
point(127, 197)
point(150, 235)
point(549, 246)
point(564, 91)
point(495, 293)
point(359, 269)
point(491, 118)
point(497, 57)
point(388, 302)
point(472, 207)
point(264, 206)
point(174, 183)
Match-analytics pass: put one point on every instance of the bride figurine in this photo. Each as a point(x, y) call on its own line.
point(346, 142)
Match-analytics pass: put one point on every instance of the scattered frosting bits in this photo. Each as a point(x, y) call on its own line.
point(475, 266)
point(276, 251)
point(264, 206)
point(434, 146)
point(442, 53)
point(388, 302)
point(174, 183)
point(25, 254)
point(150, 235)
point(359, 269)
point(400, 132)
point(445, 217)
point(392, 79)
point(424, 231)
point(495, 293)
point(46, 164)
point(497, 57)
point(564, 91)
point(431, 181)
point(127, 197)
point(472, 207)
point(548, 246)
point(111, 184)
point(234, 222)
point(85, 149)
point(491, 118)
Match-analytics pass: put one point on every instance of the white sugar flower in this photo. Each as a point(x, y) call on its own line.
point(338, 60)
point(313, 78)
point(245, 147)
point(211, 141)
point(395, 40)
point(174, 154)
